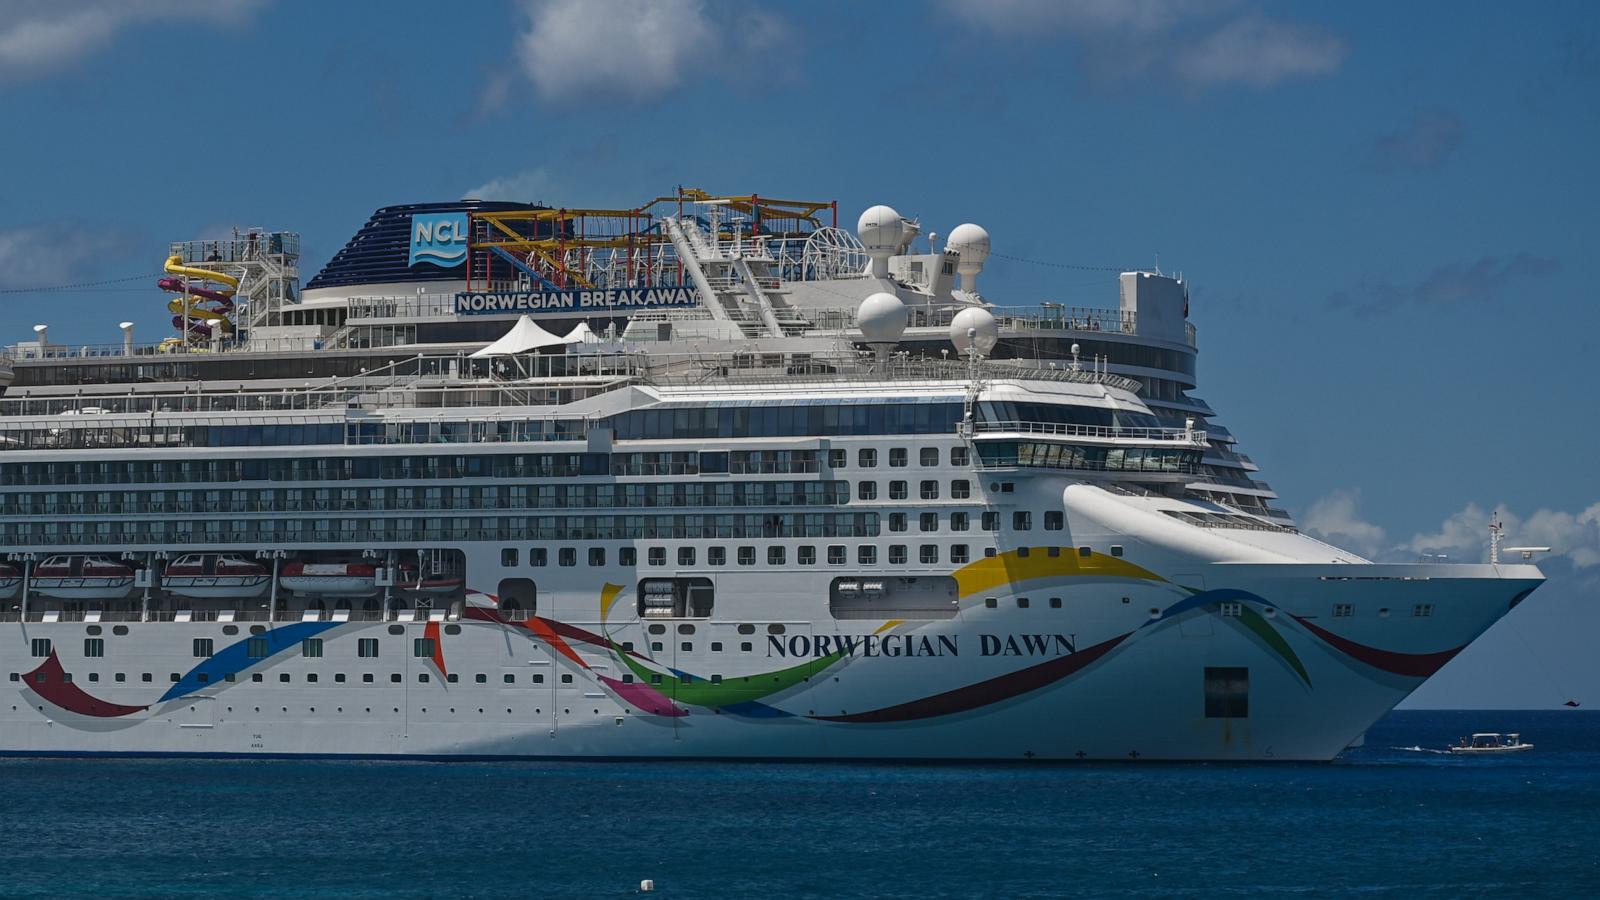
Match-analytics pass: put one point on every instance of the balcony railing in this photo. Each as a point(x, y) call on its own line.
point(1096, 432)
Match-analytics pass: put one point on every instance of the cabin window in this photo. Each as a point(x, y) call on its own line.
point(929, 489)
point(1022, 520)
point(1227, 692)
point(1422, 610)
point(867, 490)
point(202, 648)
point(775, 556)
point(897, 521)
point(508, 557)
point(960, 489)
point(657, 556)
point(898, 457)
point(928, 521)
point(538, 556)
point(867, 555)
point(256, 648)
point(991, 521)
point(1054, 520)
point(959, 521)
point(597, 556)
point(567, 556)
point(1022, 603)
point(807, 555)
point(1343, 610)
point(747, 556)
point(311, 648)
point(959, 456)
point(867, 458)
point(897, 554)
point(898, 490)
point(837, 459)
point(959, 553)
point(423, 648)
point(94, 647)
point(1055, 602)
point(928, 456)
point(628, 556)
point(685, 556)
point(41, 647)
point(717, 556)
point(1230, 609)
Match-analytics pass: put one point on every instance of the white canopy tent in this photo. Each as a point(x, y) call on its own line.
point(583, 334)
point(524, 337)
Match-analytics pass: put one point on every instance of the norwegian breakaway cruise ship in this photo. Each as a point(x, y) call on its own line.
point(711, 477)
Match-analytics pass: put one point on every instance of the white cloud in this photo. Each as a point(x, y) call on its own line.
point(1195, 43)
point(1335, 519)
point(528, 186)
point(42, 256)
point(577, 51)
point(41, 36)
point(1260, 53)
point(1463, 536)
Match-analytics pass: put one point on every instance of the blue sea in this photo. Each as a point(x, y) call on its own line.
point(1396, 817)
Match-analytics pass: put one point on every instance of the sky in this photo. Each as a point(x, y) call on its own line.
point(1385, 211)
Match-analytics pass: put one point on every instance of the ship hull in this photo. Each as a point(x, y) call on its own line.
point(1250, 667)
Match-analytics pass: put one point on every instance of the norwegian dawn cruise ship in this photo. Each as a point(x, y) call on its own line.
point(713, 477)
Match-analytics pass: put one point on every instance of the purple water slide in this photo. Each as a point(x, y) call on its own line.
point(177, 286)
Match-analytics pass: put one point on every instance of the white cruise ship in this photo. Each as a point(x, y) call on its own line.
point(712, 478)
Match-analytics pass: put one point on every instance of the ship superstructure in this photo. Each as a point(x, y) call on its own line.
point(711, 477)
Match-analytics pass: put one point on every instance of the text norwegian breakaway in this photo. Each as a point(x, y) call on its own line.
point(473, 303)
point(901, 645)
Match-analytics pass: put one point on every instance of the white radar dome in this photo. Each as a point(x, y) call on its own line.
point(880, 228)
point(976, 328)
point(972, 242)
point(881, 318)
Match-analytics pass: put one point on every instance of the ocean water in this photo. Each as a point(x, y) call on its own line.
point(1392, 818)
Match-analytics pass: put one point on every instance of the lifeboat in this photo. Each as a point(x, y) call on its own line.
point(83, 578)
point(10, 581)
point(211, 576)
point(412, 582)
point(329, 579)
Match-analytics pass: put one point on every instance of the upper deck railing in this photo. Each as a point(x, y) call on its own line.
point(1104, 432)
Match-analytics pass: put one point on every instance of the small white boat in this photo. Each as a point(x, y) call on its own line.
point(1490, 742)
point(10, 581)
point(83, 578)
point(210, 576)
point(329, 579)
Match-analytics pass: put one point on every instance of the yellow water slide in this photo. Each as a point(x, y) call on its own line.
point(197, 304)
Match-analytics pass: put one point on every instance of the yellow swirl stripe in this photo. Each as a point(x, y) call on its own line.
point(1011, 567)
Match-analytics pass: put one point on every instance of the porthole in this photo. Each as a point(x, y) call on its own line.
point(397, 629)
point(230, 629)
point(452, 629)
point(119, 629)
point(94, 629)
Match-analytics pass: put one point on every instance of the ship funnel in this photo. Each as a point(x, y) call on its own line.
point(127, 338)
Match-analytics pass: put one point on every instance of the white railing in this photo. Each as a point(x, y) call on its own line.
point(1102, 432)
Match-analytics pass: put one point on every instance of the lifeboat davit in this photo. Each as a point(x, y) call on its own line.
point(330, 579)
point(212, 576)
point(431, 584)
point(10, 581)
point(83, 578)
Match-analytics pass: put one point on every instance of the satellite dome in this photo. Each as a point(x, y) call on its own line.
point(972, 242)
point(974, 327)
point(881, 318)
point(881, 228)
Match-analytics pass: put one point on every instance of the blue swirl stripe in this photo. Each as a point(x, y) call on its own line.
point(236, 658)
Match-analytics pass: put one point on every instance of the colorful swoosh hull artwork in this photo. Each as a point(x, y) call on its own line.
point(653, 688)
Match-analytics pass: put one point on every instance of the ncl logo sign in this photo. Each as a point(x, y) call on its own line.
point(439, 238)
